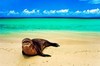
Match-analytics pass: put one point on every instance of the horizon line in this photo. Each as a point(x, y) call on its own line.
point(51, 17)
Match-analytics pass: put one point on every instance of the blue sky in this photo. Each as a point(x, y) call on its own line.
point(50, 8)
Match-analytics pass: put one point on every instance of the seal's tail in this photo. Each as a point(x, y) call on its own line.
point(55, 45)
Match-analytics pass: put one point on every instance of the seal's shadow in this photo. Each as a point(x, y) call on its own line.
point(27, 56)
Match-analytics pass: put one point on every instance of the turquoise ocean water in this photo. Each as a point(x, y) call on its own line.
point(15, 25)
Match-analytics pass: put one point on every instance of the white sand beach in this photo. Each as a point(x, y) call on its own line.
point(76, 49)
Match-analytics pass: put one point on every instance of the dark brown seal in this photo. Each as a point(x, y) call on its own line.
point(31, 47)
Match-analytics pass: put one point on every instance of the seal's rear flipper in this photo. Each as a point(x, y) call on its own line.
point(55, 45)
point(45, 55)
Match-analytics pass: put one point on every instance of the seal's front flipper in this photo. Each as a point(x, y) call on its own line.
point(45, 55)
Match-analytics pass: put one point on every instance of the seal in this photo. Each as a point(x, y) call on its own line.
point(31, 47)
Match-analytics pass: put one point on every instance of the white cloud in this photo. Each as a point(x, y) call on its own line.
point(91, 11)
point(62, 11)
point(26, 11)
point(12, 12)
point(78, 11)
point(49, 12)
point(92, 1)
point(55, 11)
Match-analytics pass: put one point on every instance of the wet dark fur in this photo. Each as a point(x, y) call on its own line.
point(40, 45)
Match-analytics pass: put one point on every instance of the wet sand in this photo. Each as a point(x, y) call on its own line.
point(76, 49)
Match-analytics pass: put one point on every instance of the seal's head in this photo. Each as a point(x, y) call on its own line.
point(26, 42)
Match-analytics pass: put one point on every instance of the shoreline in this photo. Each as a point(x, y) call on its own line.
point(72, 31)
point(51, 35)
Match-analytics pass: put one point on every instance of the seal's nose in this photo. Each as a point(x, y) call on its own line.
point(26, 46)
